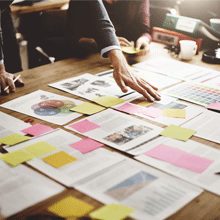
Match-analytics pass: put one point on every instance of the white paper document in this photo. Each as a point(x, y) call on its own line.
point(158, 80)
point(152, 194)
point(84, 165)
point(157, 108)
point(21, 187)
point(116, 129)
point(206, 126)
point(10, 125)
point(196, 163)
point(90, 86)
point(178, 69)
point(45, 106)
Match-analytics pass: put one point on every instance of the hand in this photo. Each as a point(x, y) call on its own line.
point(6, 79)
point(143, 42)
point(124, 77)
point(124, 42)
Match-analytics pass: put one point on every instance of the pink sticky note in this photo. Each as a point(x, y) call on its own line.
point(37, 129)
point(179, 158)
point(194, 163)
point(84, 126)
point(86, 145)
point(151, 112)
point(214, 106)
point(130, 108)
point(164, 152)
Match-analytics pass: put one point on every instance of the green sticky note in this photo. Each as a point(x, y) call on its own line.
point(108, 101)
point(112, 211)
point(87, 108)
point(178, 132)
point(17, 157)
point(13, 139)
point(70, 207)
point(174, 113)
point(40, 148)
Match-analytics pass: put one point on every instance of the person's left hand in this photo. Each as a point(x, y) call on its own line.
point(143, 42)
point(124, 77)
point(6, 80)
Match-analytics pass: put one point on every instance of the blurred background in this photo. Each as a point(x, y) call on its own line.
point(40, 24)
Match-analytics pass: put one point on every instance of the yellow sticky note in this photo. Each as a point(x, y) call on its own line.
point(17, 157)
point(40, 148)
point(87, 108)
point(174, 113)
point(108, 101)
point(59, 159)
point(112, 211)
point(70, 207)
point(1, 156)
point(178, 132)
point(13, 139)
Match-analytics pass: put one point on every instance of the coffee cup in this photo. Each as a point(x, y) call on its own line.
point(215, 23)
point(188, 49)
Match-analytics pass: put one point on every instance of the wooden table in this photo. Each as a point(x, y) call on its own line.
point(206, 206)
point(39, 6)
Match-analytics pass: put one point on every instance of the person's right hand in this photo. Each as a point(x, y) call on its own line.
point(124, 42)
point(6, 79)
point(124, 77)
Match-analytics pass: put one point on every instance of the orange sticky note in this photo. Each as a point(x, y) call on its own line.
point(70, 207)
point(59, 159)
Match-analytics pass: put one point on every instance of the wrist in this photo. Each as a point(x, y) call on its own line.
point(112, 54)
point(2, 68)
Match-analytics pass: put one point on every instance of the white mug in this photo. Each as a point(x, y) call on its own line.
point(215, 23)
point(188, 49)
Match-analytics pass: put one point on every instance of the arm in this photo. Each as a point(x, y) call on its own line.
point(107, 40)
point(6, 79)
point(143, 24)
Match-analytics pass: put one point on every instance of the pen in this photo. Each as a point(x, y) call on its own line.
point(217, 173)
point(14, 80)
